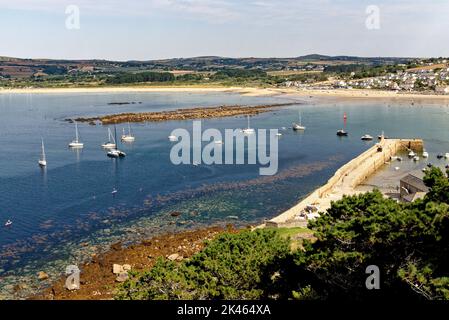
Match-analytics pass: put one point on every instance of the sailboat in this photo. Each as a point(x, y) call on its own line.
point(298, 126)
point(115, 153)
point(248, 130)
point(43, 161)
point(111, 141)
point(76, 143)
point(128, 137)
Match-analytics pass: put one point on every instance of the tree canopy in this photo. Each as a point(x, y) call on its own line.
point(408, 242)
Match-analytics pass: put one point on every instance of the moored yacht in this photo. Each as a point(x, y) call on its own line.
point(115, 153)
point(298, 126)
point(342, 133)
point(128, 137)
point(172, 138)
point(76, 143)
point(366, 137)
point(42, 161)
point(111, 141)
point(248, 130)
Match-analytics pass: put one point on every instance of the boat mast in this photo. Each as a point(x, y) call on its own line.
point(43, 151)
point(76, 132)
point(115, 137)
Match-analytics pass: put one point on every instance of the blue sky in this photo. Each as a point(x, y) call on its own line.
point(152, 29)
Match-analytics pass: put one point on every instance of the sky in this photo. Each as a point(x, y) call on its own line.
point(156, 29)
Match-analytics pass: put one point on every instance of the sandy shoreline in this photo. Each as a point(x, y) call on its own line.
point(247, 91)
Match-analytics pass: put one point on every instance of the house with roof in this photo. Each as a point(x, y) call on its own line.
point(412, 187)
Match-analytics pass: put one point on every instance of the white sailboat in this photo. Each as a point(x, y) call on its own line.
point(43, 161)
point(128, 137)
point(114, 152)
point(248, 130)
point(76, 143)
point(111, 141)
point(298, 126)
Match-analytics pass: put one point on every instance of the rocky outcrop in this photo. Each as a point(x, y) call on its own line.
point(183, 114)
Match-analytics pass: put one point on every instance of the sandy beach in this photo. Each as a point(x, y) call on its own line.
point(247, 91)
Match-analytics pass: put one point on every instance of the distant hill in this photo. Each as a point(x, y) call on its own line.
point(11, 67)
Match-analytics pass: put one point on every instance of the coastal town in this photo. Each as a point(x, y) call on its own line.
point(430, 78)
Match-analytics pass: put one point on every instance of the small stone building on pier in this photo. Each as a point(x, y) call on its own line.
point(412, 187)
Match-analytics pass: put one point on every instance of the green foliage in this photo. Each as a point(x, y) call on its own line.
point(141, 77)
point(308, 77)
point(247, 265)
point(239, 73)
point(409, 242)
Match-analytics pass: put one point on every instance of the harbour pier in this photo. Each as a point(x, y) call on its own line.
point(344, 181)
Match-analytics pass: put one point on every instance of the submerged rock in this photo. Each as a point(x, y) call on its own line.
point(175, 214)
point(42, 275)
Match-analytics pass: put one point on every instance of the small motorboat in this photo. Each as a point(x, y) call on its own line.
point(396, 168)
point(415, 158)
point(411, 154)
point(366, 137)
point(446, 155)
point(278, 134)
point(114, 191)
point(440, 156)
point(173, 138)
point(219, 142)
point(8, 223)
point(429, 165)
point(342, 133)
point(115, 153)
point(425, 154)
point(399, 159)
